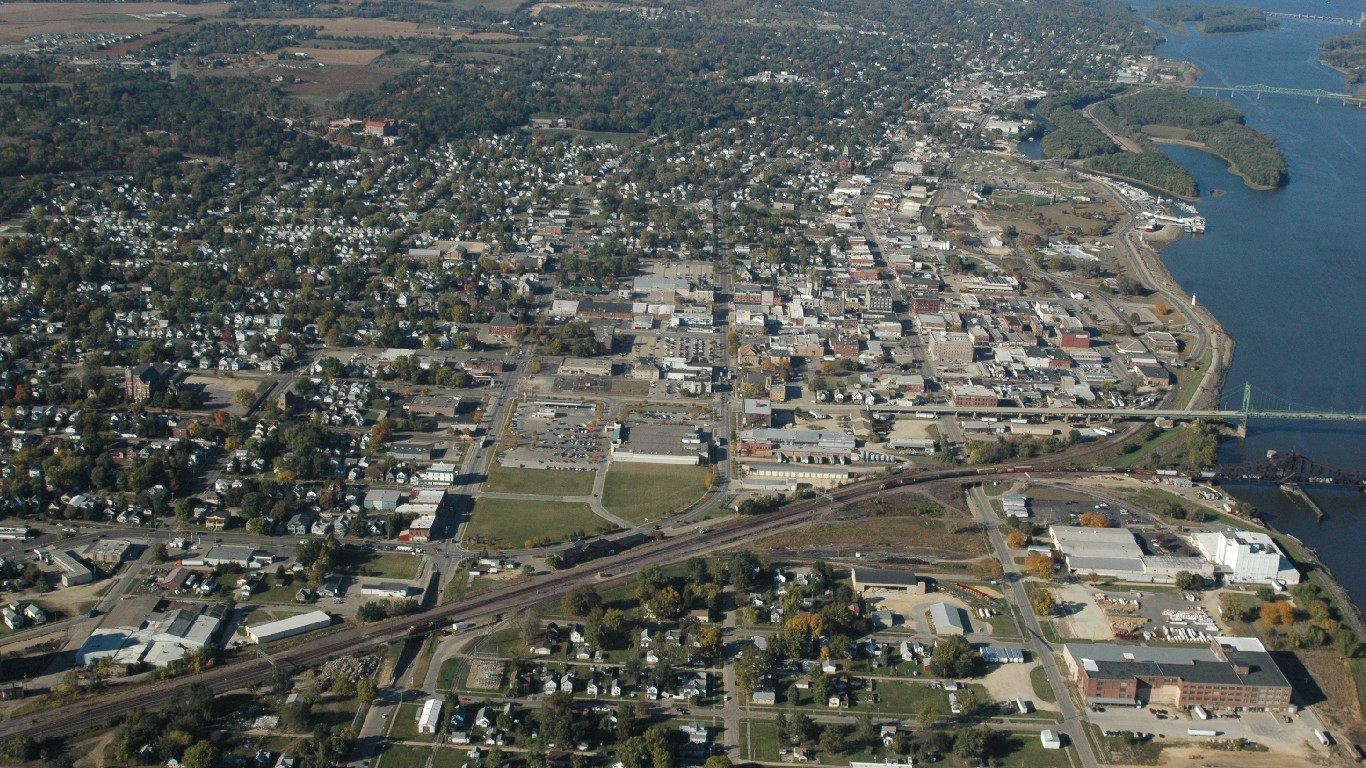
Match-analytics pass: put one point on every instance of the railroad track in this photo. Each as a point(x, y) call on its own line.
point(246, 671)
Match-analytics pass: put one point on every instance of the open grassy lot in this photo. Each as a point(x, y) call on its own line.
point(387, 565)
point(1038, 679)
point(648, 492)
point(759, 741)
point(543, 482)
point(509, 523)
point(908, 532)
point(404, 756)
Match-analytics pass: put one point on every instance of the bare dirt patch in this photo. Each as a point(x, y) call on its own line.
point(21, 20)
point(350, 26)
point(356, 57)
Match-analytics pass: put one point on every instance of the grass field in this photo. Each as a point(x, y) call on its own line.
point(906, 532)
point(404, 756)
point(387, 565)
point(1038, 678)
point(650, 492)
point(508, 523)
point(759, 741)
point(542, 482)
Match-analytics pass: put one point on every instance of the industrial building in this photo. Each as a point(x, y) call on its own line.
point(1116, 553)
point(163, 638)
point(1232, 673)
point(294, 625)
point(1244, 557)
point(385, 589)
point(229, 554)
point(867, 579)
point(949, 619)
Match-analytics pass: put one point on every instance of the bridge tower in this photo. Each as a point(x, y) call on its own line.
point(1245, 409)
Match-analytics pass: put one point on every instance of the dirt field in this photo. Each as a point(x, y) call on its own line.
point(356, 57)
point(21, 20)
point(539, 7)
point(347, 26)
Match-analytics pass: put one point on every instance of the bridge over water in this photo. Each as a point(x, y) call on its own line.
point(1317, 94)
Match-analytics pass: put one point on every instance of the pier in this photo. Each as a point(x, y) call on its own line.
point(1296, 491)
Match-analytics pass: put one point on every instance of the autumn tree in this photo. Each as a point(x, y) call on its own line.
point(1095, 520)
point(1043, 601)
point(1017, 540)
point(1038, 565)
point(1278, 613)
point(988, 570)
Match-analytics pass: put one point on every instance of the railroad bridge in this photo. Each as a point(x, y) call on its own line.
point(1290, 469)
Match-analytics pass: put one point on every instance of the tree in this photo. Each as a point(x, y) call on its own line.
point(1278, 613)
point(1043, 601)
point(955, 657)
point(1017, 540)
point(1187, 581)
point(366, 690)
point(974, 744)
point(1038, 565)
point(201, 754)
point(158, 553)
point(667, 604)
point(582, 600)
point(1095, 520)
point(718, 761)
point(752, 666)
point(709, 643)
point(245, 397)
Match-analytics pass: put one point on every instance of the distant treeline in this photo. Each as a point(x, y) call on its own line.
point(1347, 53)
point(1213, 20)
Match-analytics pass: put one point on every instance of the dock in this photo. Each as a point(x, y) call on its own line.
point(1295, 491)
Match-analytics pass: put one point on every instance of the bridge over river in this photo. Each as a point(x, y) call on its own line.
point(1317, 94)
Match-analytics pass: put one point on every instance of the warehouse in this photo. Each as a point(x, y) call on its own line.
point(1231, 673)
point(74, 572)
point(294, 625)
point(227, 554)
point(949, 619)
point(429, 719)
point(108, 551)
point(662, 444)
point(1115, 553)
point(385, 589)
point(866, 579)
point(1245, 557)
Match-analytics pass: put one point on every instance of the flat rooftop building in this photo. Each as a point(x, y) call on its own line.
point(1116, 553)
point(662, 444)
point(866, 579)
point(1232, 673)
point(294, 625)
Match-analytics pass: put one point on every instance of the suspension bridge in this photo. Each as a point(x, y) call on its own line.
point(1317, 94)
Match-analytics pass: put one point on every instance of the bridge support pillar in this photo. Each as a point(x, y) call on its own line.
point(1242, 429)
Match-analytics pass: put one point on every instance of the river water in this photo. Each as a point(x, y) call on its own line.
point(1285, 270)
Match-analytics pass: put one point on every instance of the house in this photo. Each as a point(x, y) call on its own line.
point(767, 698)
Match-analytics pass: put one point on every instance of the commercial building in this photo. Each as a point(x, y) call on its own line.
point(230, 554)
point(951, 347)
point(661, 444)
point(382, 499)
point(975, 396)
point(1116, 553)
point(108, 551)
point(74, 572)
point(421, 529)
point(866, 579)
point(1246, 557)
point(1233, 673)
point(294, 625)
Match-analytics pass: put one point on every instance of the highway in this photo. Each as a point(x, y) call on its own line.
point(245, 670)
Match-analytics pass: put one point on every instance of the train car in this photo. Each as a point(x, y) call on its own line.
point(421, 628)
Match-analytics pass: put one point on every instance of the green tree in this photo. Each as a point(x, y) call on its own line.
point(201, 754)
point(955, 657)
point(582, 600)
point(366, 690)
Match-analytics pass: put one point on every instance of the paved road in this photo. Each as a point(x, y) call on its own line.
point(1073, 724)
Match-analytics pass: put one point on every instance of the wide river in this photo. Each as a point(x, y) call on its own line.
point(1285, 271)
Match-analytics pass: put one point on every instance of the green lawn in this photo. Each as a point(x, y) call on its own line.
point(389, 565)
point(907, 699)
point(403, 756)
point(445, 679)
point(1038, 678)
point(1023, 750)
point(542, 482)
point(404, 725)
point(651, 492)
point(759, 740)
point(509, 524)
point(1145, 450)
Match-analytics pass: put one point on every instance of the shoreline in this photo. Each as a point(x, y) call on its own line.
point(1232, 166)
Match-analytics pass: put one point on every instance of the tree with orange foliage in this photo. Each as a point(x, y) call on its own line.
point(1278, 613)
point(1038, 565)
point(1017, 540)
point(1095, 520)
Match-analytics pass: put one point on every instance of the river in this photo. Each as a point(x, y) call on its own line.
point(1285, 270)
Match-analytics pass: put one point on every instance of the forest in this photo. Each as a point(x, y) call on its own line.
point(1213, 20)
point(1347, 53)
point(1207, 121)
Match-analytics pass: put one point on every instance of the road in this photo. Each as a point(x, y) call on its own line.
point(1073, 724)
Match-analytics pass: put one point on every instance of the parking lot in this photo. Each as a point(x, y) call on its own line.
point(691, 347)
point(556, 437)
point(1295, 737)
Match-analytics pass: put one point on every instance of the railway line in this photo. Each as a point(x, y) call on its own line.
point(246, 671)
